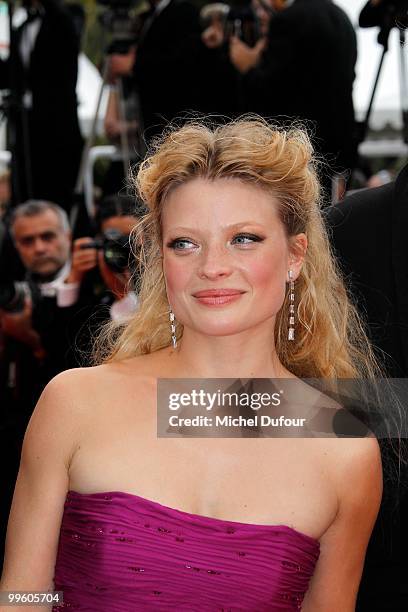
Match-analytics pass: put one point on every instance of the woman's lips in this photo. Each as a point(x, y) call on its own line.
point(218, 297)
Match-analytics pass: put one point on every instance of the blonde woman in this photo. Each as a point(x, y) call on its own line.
point(121, 520)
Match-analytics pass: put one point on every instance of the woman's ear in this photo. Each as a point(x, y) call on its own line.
point(298, 248)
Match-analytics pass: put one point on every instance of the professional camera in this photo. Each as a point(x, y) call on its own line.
point(242, 22)
point(14, 293)
point(115, 247)
point(119, 21)
point(238, 20)
point(386, 14)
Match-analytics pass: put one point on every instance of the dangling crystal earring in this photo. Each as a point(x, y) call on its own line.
point(173, 328)
point(291, 333)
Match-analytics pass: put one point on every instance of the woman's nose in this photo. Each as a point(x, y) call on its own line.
point(215, 262)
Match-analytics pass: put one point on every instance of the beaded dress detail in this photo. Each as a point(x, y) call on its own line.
point(119, 552)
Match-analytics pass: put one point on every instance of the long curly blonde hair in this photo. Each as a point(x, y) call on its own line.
point(330, 340)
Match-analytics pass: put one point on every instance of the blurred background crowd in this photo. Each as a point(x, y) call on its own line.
point(66, 209)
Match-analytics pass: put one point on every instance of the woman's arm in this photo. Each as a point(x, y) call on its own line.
point(41, 487)
point(358, 477)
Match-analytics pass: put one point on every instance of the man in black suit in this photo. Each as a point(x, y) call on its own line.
point(369, 237)
point(43, 72)
point(306, 71)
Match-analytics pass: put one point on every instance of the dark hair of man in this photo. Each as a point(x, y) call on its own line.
point(118, 206)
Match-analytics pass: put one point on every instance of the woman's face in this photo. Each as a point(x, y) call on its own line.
point(225, 237)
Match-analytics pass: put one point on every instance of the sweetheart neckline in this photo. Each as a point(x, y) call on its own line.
point(201, 517)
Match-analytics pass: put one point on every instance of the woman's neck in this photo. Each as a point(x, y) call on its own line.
point(245, 355)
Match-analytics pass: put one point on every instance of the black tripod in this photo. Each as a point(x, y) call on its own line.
point(387, 16)
point(79, 196)
point(118, 26)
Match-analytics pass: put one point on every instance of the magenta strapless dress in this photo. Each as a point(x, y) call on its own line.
point(119, 552)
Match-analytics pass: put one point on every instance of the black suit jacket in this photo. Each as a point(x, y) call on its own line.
point(368, 231)
point(53, 70)
point(54, 140)
point(307, 72)
point(368, 234)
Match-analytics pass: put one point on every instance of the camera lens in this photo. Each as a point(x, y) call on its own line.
point(116, 250)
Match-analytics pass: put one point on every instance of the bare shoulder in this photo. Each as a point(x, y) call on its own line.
point(71, 394)
point(356, 471)
point(359, 454)
point(95, 380)
point(79, 390)
point(59, 415)
point(362, 453)
point(362, 466)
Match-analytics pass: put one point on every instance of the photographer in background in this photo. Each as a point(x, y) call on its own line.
point(221, 87)
point(36, 343)
point(42, 238)
point(169, 63)
point(305, 71)
point(177, 71)
point(42, 75)
point(107, 256)
point(101, 271)
point(60, 293)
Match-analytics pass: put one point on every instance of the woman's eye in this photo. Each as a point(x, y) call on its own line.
point(180, 244)
point(185, 244)
point(246, 238)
